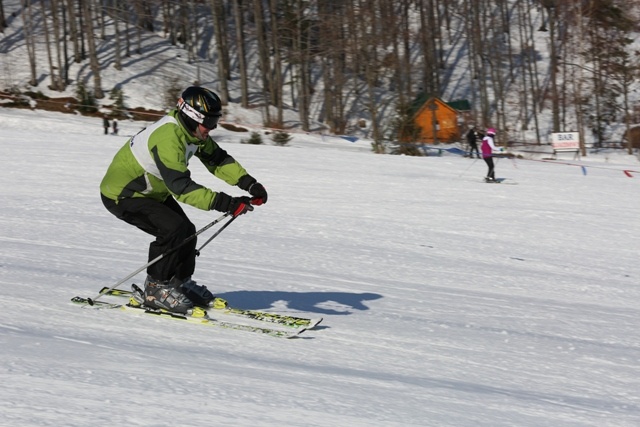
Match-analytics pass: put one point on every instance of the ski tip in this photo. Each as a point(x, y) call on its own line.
point(314, 322)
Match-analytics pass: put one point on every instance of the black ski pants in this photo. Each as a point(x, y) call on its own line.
point(170, 226)
point(474, 147)
point(491, 173)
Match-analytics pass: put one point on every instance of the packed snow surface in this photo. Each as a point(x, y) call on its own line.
point(446, 301)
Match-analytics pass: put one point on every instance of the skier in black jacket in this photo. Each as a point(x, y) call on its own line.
point(472, 140)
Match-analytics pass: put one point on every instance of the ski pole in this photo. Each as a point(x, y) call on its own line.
point(169, 252)
point(470, 166)
point(226, 224)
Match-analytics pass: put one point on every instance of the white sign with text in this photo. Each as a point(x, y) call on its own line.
point(565, 140)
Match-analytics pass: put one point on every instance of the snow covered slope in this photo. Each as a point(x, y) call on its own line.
point(447, 301)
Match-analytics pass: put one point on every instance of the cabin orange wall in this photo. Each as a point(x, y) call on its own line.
point(447, 118)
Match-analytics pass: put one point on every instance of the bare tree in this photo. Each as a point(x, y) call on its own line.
point(98, 7)
point(393, 61)
point(406, 88)
point(629, 72)
point(144, 20)
point(93, 55)
point(428, 35)
point(300, 27)
point(52, 70)
point(189, 19)
point(365, 19)
point(144, 14)
point(607, 34)
point(494, 58)
point(263, 57)
point(277, 63)
point(479, 57)
point(240, 48)
point(27, 17)
point(55, 16)
point(532, 66)
point(64, 72)
point(125, 10)
point(222, 50)
point(577, 81)
point(553, 63)
point(332, 27)
point(74, 33)
point(116, 15)
point(3, 21)
point(372, 54)
point(524, 47)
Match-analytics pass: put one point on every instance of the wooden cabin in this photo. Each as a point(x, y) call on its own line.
point(434, 114)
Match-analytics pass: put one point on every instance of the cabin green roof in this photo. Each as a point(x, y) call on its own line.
point(421, 98)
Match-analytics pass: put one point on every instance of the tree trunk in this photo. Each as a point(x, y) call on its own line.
point(524, 47)
point(406, 57)
point(533, 73)
point(73, 30)
point(263, 56)
point(27, 17)
point(242, 60)
point(98, 6)
point(55, 10)
point(127, 31)
point(555, 110)
point(189, 28)
point(3, 20)
point(217, 10)
point(93, 55)
point(277, 63)
point(116, 28)
point(81, 29)
point(65, 34)
point(332, 47)
point(47, 42)
point(301, 52)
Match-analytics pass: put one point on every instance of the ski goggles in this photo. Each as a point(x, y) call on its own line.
point(210, 122)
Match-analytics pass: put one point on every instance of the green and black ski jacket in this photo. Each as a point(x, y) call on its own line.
point(154, 164)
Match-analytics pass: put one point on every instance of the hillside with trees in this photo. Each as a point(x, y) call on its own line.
point(527, 67)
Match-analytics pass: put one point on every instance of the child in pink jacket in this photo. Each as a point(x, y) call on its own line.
point(488, 147)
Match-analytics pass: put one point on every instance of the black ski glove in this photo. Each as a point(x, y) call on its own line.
point(240, 205)
point(234, 205)
point(251, 185)
point(259, 194)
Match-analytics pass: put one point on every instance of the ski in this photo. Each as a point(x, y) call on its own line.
point(220, 305)
point(199, 317)
point(501, 181)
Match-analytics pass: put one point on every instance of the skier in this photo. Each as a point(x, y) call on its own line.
point(115, 126)
point(488, 147)
point(105, 124)
point(150, 174)
point(472, 139)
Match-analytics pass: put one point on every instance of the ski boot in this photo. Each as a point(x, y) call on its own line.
point(163, 295)
point(199, 294)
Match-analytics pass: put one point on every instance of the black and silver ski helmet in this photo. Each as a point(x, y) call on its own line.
point(199, 105)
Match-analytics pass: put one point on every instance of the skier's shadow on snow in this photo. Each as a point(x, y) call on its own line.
point(311, 302)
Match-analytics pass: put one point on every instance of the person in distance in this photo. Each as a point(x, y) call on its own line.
point(488, 147)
